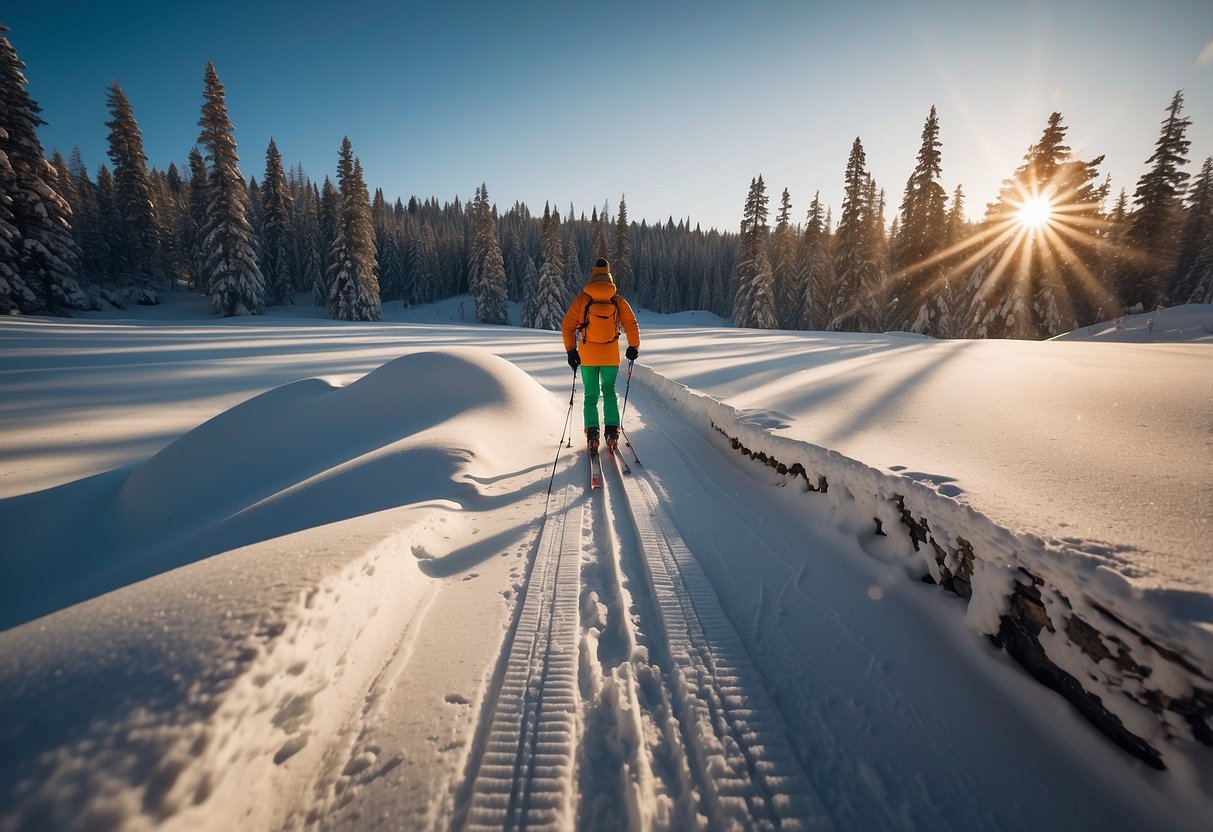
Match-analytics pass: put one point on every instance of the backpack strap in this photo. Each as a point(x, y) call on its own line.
point(585, 318)
point(585, 314)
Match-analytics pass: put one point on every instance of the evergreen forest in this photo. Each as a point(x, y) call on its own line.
point(1056, 248)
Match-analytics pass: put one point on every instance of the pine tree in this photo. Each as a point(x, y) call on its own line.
point(109, 228)
point(38, 254)
point(572, 270)
point(277, 229)
point(140, 247)
point(1028, 286)
point(852, 251)
point(231, 275)
point(329, 206)
point(816, 269)
point(489, 290)
point(550, 303)
point(789, 291)
point(172, 209)
point(762, 298)
point(199, 200)
point(600, 233)
point(1153, 228)
point(621, 255)
point(353, 279)
point(1195, 241)
point(87, 223)
point(919, 270)
point(753, 240)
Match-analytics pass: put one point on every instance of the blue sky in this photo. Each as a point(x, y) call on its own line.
point(675, 104)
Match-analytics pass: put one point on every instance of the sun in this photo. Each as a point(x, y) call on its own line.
point(1035, 213)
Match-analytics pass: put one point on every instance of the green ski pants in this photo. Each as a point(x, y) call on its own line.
point(600, 379)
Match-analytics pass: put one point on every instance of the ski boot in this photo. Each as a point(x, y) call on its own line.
point(591, 439)
point(611, 435)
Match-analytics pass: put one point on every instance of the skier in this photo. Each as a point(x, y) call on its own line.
point(595, 318)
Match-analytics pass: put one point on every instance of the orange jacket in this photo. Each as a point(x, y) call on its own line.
point(600, 288)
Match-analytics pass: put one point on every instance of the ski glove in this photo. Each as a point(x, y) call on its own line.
point(574, 359)
point(631, 353)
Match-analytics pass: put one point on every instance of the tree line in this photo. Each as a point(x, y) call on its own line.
point(1050, 255)
point(72, 241)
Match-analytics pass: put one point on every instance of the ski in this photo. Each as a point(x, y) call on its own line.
point(595, 470)
point(613, 448)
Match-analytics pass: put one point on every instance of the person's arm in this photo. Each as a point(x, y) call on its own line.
point(630, 327)
point(572, 320)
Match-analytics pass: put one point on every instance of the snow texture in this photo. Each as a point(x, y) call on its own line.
point(284, 572)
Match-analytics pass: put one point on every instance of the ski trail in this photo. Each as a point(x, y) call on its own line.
point(525, 774)
point(627, 697)
point(744, 764)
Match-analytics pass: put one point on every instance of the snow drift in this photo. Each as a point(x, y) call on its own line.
point(331, 506)
point(301, 455)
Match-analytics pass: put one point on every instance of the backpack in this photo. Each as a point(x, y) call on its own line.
point(601, 322)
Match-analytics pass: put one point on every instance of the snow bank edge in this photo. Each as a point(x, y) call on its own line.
point(1120, 657)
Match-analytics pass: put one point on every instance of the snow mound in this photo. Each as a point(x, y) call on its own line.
point(315, 442)
point(429, 425)
point(269, 569)
point(1189, 323)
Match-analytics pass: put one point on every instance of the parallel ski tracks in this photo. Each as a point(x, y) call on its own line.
point(744, 770)
point(526, 769)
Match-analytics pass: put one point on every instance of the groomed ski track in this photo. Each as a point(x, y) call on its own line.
point(627, 696)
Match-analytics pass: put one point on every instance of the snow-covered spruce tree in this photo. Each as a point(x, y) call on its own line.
point(353, 278)
point(476, 241)
point(919, 271)
point(38, 254)
point(572, 270)
point(172, 219)
point(388, 248)
point(549, 304)
point(15, 295)
point(329, 207)
point(753, 242)
point(277, 230)
point(307, 234)
point(139, 249)
point(1154, 225)
point(489, 291)
point(853, 255)
point(109, 226)
point(427, 268)
point(762, 297)
point(816, 267)
point(87, 223)
point(199, 200)
point(231, 275)
point(621, 254)
point(599, 224)
point(1029, 286)
point(879, 305)
point(785, 268)
point(530, 291)
point(1195, 240)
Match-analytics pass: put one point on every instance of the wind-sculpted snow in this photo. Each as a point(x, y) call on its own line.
point(425, 425)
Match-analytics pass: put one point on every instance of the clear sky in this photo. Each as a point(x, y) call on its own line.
point(675, 104)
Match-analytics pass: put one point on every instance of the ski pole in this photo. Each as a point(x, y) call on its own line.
point(627, 389)
point(567, 416)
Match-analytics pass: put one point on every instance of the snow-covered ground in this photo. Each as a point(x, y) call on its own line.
point(285, 572)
